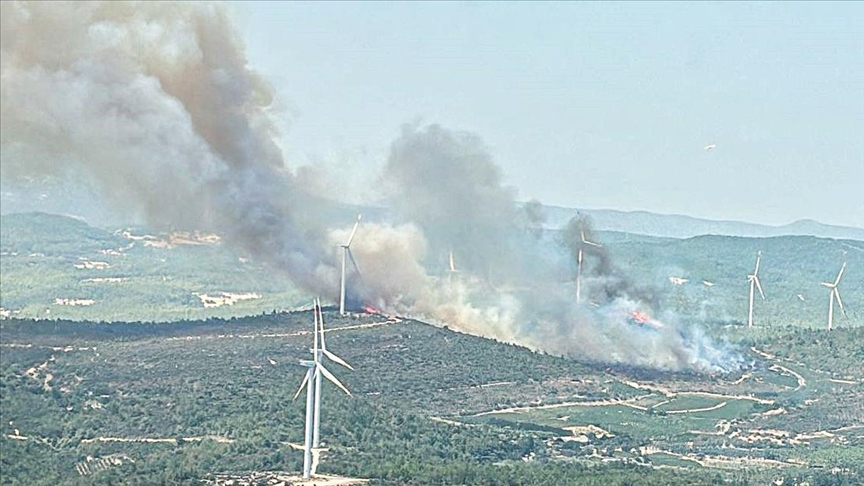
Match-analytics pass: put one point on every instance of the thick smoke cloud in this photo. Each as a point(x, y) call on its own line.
point(156, 104)
point(512, 289)
point(446, 182)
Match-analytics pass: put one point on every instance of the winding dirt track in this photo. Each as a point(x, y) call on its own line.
point(801, 381)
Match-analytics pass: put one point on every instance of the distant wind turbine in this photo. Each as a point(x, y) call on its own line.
point(579, 260)
point(710, 146)
point(835, 294)
point(346, 253)
point(451, 267)
point(754, 282)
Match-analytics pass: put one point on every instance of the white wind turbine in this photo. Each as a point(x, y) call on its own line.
point(346, 253)
point(754, 282)
point(579, 260)
point(835, 294)
point(312, 381)
point(316, 435)
point(451, 267)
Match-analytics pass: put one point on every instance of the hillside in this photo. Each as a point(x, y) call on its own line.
point(130, 274)
point(57, 266)
point(211, 402)
point(715, 270)
point(207, 400)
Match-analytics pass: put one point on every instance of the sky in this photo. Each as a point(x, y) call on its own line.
point(585, 104)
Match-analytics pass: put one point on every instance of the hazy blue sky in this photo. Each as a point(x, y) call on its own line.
point(595, 105)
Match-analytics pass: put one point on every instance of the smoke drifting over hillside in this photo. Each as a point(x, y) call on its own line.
point(156, 103)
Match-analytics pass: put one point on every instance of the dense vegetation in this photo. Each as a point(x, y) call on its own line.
point(219, 396)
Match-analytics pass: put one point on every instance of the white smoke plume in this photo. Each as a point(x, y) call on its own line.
point(155, 102)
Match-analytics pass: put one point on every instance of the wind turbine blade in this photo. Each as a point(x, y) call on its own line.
point(827, 284)
point(840, 274)
point(321, 324)
point(582, 235)
point(592, 243)
point(354, 231)
point(353, 262)
point(759, 286)
point(336, 359)
point(837, 294)
point(315, 338)
point(452, 264)
point(758, 261)
point(332, 378)
point(302, 384)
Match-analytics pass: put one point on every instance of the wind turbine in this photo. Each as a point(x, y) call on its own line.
point(451, 267)
point(452, 263)
point(346, 253)
point(312, 381)
point(754, 282)
point(835, 293)
point(579, 259)
point(323, 351)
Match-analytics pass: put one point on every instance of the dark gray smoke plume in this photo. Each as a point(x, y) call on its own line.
point(156, 104)
point(604, 282)
point(445, 182)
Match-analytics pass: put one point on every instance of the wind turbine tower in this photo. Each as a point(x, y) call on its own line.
point(310, 406)
point(754, 282)
point(835, 294)
point(312, 381)
point(579, 258)
point(346, 253)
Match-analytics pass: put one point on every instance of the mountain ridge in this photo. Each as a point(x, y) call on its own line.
point(682, 226)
